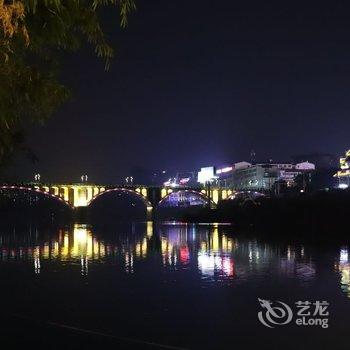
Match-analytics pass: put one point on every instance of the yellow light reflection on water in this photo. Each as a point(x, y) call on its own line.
point(149, 229)
point(215, 239)
point(177, 245)
point(84, 244)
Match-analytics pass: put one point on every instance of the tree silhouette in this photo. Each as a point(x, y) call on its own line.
point(32, 33)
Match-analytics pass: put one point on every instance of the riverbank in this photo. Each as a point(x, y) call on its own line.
point(321, 214)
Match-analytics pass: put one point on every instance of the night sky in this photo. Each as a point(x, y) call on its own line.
point(198, 83)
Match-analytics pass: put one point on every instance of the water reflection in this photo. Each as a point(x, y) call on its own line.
point(77, 244)
point(343, 267)
point(198, 279)
point(209, 251)
point(212, 251)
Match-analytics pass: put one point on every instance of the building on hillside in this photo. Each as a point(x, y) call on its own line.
point(262, 176)
point(225, 174)
point(291, 171)
point(321, 160)
point(258, 177)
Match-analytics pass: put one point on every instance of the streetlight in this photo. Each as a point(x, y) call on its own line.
point(129, 180)
point(84, 178)
point(37, 177)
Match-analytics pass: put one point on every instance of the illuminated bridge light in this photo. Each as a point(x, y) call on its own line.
point(163, 193)
point(81, 195)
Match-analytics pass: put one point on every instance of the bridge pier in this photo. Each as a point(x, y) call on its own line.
point(153, 196)
point(150, 214)
point(80, 214)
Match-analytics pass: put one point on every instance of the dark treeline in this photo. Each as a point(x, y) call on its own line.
point(318, 214)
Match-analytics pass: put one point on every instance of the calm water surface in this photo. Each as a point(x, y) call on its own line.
point(187, 286)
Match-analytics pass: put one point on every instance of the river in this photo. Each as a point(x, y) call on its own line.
point(171, 285)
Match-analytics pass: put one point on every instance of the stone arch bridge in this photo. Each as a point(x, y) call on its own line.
point(81, 195)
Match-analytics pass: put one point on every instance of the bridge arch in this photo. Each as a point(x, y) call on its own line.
point(201, 195)
point(38, 191)
point(247, 197)
point(125, 190)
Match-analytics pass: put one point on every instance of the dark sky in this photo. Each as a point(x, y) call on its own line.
point(197, 83)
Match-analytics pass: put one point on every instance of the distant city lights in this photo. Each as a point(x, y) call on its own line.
point(171, 183)
point(184, 180)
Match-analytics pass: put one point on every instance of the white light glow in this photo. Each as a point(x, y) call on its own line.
point(344, 255)
point(224, 170)
point(206, 175)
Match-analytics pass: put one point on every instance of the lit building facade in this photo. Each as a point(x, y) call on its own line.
point(256, 177)
point(343, 174)
point(288, 172)
point(225, 174)
point(261, 177)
